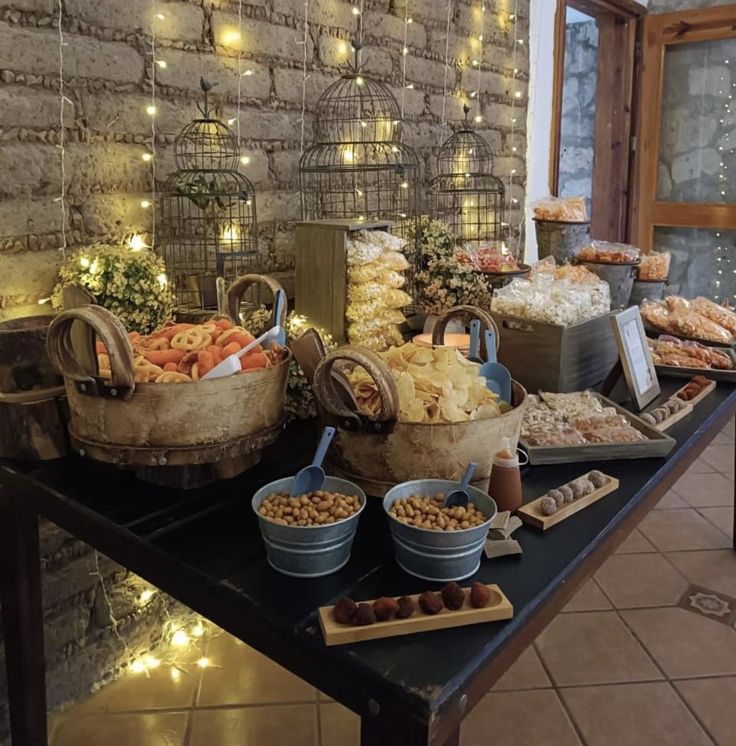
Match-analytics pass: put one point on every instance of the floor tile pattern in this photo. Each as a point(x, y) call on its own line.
point(644, 655)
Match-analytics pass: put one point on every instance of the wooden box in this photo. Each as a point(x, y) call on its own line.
point(559, 359)
point(321, 271)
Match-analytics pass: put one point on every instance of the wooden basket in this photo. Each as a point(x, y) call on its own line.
point(379, 453)
point(224, 421)
point(32, 406)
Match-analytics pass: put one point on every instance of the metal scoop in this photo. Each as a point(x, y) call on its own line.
point(231, 364)
point(459, 498)
point(312, 477)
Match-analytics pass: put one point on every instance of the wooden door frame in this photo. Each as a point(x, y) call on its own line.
point(660, 31)
point(615, 88)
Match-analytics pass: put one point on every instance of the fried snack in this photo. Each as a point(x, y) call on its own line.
point(566, 209)
point(679, 316)
point(605, 252)
point(724, 317)
point(173, 377)
point(655, 266)
point(191, 340)
point(435, 385)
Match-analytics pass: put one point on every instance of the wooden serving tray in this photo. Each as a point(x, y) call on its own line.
point(667, 424)
point(657, 444)
point(531, 514)
point(705, 392)
point(343, 634)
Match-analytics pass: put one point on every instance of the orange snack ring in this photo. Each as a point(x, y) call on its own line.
point(171, 331)
point(230, 349)
point(216, 352)
point(254, 361)
point(169, 367)
point(205, 362)
point(223, 324)
point(155, 343)
point(161, 357)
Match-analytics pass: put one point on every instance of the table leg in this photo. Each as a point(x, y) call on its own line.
point(22, 618)
point(376, 731)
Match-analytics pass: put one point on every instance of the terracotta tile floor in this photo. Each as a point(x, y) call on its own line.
point(645, 655)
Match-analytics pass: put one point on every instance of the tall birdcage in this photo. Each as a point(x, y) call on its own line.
point(465, 194)
point(208, 225)
point(358, 168)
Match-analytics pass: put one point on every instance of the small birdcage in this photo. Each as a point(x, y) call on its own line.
point(358, 168)
point(465, 194)
point(208, 223)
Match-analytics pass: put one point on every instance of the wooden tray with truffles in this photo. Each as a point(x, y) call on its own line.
point(453, 606)
point(559, 504)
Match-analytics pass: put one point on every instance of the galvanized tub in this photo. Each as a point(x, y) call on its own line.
point(308, 551)
point(438, 556)
point(561, 239)
point(647, 290)
point(620, 278)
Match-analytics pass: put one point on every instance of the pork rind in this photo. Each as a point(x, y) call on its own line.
point(565, 209)
point(724, 317)
point(655, 266)
point(678, 316)
point(606, 252)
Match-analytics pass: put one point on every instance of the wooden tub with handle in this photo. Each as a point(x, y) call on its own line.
point(222, 424)
point(379, 452)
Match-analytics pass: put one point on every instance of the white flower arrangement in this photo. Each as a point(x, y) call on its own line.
point(441, 281)
point(131, 284)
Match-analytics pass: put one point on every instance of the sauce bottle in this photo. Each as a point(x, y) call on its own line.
point(505, 484)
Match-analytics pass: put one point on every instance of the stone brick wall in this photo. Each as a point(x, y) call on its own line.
point(107, 81)
point(107, 74)
point(577, 135)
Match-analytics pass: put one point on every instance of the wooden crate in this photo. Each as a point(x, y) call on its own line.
point(321, 271)
point(559, 359)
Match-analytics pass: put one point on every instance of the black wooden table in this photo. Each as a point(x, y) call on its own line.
point(203, 548)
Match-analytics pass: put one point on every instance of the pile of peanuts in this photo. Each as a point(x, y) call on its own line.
point(429, 512)
point(313, 509)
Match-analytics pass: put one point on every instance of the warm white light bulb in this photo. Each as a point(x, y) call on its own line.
point(232, 121)
point(175, 674)
point(160, 16)
point(147, 157)
point(359, 80)
point(136, 243)
point(356, 11)
point(180, 638)
point(203, 662)
point(162, 64)
point(404, 185)
point(84, 262)
point(245, 160)
point(478, 118)
point(198, 630)
point(231, 37)
point(145, 204)
point(162, 279)
point(246, 74)
point(137, 666)
point(150, 110)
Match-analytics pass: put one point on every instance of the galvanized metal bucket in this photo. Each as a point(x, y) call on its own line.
point(308, 551)
point(647, 290)
point(561, 240)
point(620, 278)
point(440, 556)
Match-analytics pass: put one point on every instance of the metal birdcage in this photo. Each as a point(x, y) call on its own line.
point(358, 168)
point(208, 225)
point(465, 194)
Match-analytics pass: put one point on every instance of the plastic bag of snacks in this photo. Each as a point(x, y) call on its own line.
point(606, 252)
point(655, 266)
point(493, 258)
point(691, 319)
point(561, 209)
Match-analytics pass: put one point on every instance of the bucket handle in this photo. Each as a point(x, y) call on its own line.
point(241, 284)
point(34, 396)
point(332, 403)
point(112, 333)
point(467, 314)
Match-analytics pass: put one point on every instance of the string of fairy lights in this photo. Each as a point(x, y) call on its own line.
point(724, 281)
point(62, 131)
point(478, 64)
point(408, 20)
point(448, 29)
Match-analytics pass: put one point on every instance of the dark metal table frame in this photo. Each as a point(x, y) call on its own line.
point(385, 720)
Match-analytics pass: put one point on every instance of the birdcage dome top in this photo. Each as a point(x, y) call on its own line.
point(464, 153)
point(357, 109)
point(206, 145)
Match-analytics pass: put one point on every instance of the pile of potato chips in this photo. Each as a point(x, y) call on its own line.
point(435, 386)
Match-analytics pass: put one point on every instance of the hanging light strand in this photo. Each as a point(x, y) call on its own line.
point(305, 77)
point(479, 64)
point(447, 62)
point(404, 55)
point(240, 65)
point(514, 96)
point(62, 133)
point(152, 111)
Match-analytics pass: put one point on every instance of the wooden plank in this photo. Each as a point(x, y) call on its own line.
point(342, 634)
point(530, 512)
point(694, 215)
point(558, 84)
point(618, 8)
point(676, 417)
point(657, 445)
point(613, 124)
point(709, 389)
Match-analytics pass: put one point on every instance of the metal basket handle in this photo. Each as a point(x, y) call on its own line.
point(332, 403)
point(113, 335)
point(466, 314)
point(241, 284)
